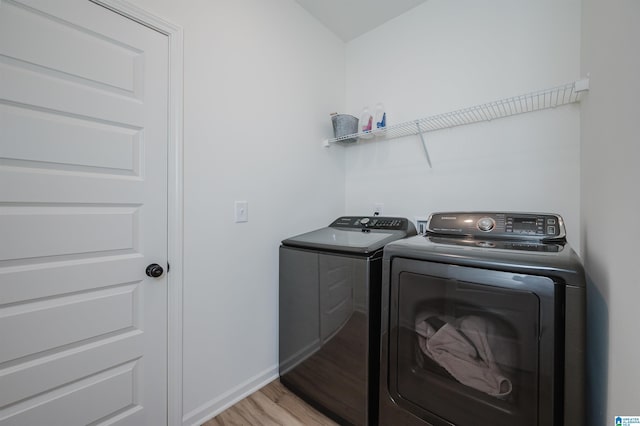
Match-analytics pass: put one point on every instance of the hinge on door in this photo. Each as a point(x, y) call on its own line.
point(168, 267)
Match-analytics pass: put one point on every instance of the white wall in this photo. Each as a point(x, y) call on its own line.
point(445, 55)
point(260, 79)
point(610, 204)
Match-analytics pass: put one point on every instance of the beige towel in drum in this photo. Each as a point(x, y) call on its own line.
point(465, 348)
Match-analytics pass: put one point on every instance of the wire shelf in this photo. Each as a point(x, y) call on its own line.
point(535, 101)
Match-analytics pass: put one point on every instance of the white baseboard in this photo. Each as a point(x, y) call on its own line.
point(217, 405)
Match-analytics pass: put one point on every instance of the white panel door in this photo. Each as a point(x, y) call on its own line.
point(83, 211)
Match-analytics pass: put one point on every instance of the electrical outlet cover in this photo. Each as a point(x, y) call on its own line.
point(421, 224)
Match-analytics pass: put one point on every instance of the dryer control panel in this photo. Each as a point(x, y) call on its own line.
point(540, 226)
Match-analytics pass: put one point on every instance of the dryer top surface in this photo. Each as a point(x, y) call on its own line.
point(511, 255)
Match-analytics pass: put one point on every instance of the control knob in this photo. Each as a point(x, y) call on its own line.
point(486, 224)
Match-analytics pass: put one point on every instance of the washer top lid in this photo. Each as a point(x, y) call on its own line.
point(354, 234)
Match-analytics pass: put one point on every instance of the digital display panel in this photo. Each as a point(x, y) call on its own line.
point(525, 224)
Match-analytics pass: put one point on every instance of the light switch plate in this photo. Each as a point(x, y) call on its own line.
point(242, 211)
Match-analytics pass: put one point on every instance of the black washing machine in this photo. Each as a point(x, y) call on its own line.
point(329, 314)
point(483, 324)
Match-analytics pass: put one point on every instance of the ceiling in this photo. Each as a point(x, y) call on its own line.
point(349, 19)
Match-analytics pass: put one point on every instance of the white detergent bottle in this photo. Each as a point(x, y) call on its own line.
point(366, 123)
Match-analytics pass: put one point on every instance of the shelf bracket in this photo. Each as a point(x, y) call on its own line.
point(424, 144)
point(581, 85)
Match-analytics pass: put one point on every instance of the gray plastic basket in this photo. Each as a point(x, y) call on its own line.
point(343, 125)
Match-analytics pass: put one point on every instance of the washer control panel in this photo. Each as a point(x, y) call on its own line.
point(372, 222)
point(541, 226)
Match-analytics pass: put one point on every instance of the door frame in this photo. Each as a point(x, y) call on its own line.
point(175, 194)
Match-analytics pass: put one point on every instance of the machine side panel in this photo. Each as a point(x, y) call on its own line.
point(575, 344)
point(299, 324)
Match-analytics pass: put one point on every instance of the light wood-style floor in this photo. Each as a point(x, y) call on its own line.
point(273, 405)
